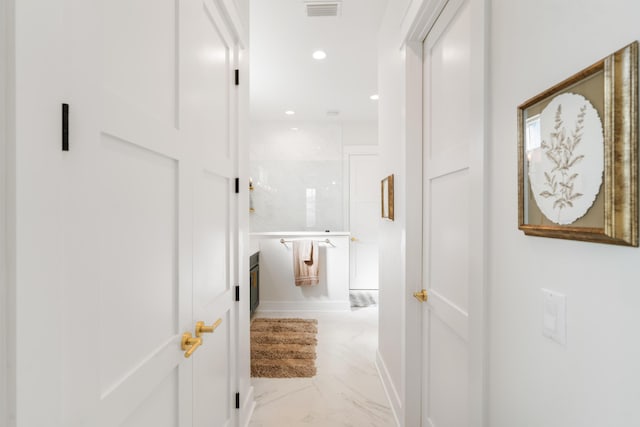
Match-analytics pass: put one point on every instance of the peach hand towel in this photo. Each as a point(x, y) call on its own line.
point(306, 262)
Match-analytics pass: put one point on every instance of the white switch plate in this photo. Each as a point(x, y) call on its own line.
point(554, 316)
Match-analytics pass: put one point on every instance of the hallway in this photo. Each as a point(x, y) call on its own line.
point(346, 390)
point(136, 136)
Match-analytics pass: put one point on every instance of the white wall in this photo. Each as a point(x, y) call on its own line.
point(3, 207)
point(593, 380)
point(7, 312)
point(277, 287)
point(360, 132)
point(392, 143)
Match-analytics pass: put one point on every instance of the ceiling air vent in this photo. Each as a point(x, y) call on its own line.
point(322, 8)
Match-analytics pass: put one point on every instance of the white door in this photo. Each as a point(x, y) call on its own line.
point(449, 218)
point(209, 104)
point(364, 213)
point(145, 205)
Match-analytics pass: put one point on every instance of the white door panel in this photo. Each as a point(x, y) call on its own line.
point(207, 120)
point(213, 300)
point(140, 55)
point(142, 182)
point(138, 205)
point(146, 130)
point(165, 395)
point(213, 365)
point(206, 73)
point(364, 213)
point(447, 218)
point(455, 160)
point(444, 309)
point(211, 238)
point(449, 85)
point(448, 266)
point(448, 370)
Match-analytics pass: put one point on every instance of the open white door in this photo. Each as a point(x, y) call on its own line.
point(452, 246)
point(140, 233)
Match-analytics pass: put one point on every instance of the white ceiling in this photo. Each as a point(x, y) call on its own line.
point(284, 76)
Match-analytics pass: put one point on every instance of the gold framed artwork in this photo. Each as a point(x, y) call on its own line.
point(387, 197)
point(578, 155)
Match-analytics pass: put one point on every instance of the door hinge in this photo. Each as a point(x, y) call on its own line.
point(237, 400)
point(237, 75)
point(65, 127)
point(237, 185)
point(237, 293)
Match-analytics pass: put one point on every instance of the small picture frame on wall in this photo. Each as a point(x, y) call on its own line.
point(578, 155)
point(387, 197)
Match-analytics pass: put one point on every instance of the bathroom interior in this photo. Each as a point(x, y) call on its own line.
point(313, 167)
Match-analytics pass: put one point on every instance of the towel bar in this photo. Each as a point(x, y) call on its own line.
point(327, 241)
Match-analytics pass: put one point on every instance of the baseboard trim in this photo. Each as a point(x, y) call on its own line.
point(248, 406)
point(392, 394)
point(266, 306)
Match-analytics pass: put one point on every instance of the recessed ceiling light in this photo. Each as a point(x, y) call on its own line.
point(374, 97)
point(294, 129)
point(289, 112)
point(319, 54)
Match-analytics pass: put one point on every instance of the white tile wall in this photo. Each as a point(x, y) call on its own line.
point(297, 177)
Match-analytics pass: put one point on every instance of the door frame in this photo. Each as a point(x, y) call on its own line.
point(7, 217)
point(419, 19)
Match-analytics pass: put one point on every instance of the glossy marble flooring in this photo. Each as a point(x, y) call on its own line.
point(346, 392)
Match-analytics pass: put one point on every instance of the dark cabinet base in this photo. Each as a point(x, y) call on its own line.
point(254, 281)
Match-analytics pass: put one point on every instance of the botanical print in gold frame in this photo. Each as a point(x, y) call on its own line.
point(386, 187)
point(555, 165)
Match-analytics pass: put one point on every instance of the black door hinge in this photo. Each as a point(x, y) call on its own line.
point(65, 127)
point(237, 400)
point(237, 185)
point(237, 293)
point(237, 77)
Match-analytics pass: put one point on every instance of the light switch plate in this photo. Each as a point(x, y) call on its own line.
point(554, 316)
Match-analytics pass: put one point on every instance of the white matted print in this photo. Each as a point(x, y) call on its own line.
point(565, 152)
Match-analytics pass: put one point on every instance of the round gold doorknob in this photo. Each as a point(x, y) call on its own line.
point(353, 239)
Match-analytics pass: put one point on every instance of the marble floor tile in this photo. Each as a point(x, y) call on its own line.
point(346, 392)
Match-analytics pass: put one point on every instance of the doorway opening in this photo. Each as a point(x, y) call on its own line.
point(314, 178)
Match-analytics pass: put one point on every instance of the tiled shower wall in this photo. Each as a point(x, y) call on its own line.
point(297, 177)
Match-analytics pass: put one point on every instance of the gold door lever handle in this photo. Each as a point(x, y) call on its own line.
point(353, 239)
point(202, 329)
point(421, 296)
point(189, 344)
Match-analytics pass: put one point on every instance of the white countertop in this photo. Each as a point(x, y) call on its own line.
point(254, 246)
point(299, 233)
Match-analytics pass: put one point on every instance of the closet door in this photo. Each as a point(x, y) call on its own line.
point(140, 223)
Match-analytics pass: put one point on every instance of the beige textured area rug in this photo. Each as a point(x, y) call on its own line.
point(283, 348)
